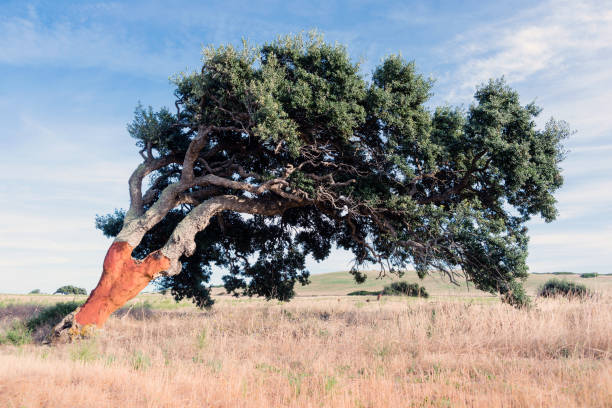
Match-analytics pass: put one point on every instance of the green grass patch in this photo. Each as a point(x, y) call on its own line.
point(140, 361)
point(85, 352)
point(17, 334)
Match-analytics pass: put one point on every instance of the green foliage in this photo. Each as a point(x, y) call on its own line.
point(85, 351)
point(516, 296)
point(363, 293)
point(52, 315)
point(140, 361)
point(372, 169)
point(35, 292)
point(557, 287)
point(17, 334)
point(589, 275)
point(563, 273)
point(330, 383)
point(201, 339)
point(156, 130)
point(70, 290)
point(110, 224)
point(405, 289)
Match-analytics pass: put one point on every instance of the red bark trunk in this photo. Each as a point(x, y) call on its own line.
point(123, 277)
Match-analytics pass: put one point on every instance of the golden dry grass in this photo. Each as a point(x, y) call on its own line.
point(331, 352)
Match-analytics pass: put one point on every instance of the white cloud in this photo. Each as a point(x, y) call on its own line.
point(549, 39)
point(582, 249)
point(30, 262)
point(29, 41)
point(557, 53)
point(592, 149)
point(591, 240)
point(586, 199)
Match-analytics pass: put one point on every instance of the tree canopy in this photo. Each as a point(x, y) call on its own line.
point(68, 290)
point(283, 151)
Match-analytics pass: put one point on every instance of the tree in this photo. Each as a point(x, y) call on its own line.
point(70, 290)
point(282, 151)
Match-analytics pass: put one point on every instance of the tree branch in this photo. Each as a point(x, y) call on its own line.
point(182, 242)
point(135, 182)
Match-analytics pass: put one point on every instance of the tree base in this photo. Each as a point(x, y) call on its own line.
point(123, 277)
point(69, 330)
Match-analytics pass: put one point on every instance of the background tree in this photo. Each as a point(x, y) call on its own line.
point(282, 151)
point(69, 290)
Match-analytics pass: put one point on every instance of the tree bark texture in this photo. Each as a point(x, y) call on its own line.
point(123, 277)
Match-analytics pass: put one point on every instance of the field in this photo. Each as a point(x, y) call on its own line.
point(458, 348)
point(341, 283)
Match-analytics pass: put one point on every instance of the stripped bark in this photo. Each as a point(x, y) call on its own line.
point(123, 277)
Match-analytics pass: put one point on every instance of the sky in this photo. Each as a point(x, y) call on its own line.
point(71, 74)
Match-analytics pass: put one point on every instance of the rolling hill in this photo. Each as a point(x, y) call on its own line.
point(342, 283)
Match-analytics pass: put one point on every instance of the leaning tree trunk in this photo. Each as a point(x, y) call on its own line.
point(123, 277)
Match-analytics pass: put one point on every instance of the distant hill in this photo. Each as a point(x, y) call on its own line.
point(341, 283)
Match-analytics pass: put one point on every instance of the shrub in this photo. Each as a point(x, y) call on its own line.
point(52, 315)
point(589, 275)
point(562, 273)
point(18, 334)
point(363, 293)
point(405, 289)
point(70, 290)
point(557, 287)
point(35, 292)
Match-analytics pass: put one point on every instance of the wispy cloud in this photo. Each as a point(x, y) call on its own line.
point(557, 52)
point(549, 39)
point(554, 255)
point(583, 240)
point(586, 199)
point(30, 41)
point(592, 149)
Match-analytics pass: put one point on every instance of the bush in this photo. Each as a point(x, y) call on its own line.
point(589, 275)
point(557, 287)
point(70, 290)
point(18, 334)
point(363, 293)
point(52, 315)
point(563, 273)
point(34, 292)
point(405, 289)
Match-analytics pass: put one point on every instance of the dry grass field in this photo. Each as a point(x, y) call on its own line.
point(321, 351)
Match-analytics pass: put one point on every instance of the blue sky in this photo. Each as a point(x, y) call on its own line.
point(72, 73)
